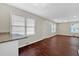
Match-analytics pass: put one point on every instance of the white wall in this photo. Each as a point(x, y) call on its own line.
point(64, 29)
point(9, 48)
point(4, 18)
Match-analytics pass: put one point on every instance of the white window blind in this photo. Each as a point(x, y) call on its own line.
point(30, 26)
point(18, 25)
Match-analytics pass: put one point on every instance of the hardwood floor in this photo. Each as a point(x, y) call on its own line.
point(58, 45)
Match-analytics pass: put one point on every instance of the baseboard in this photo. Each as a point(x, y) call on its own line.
point(67, 35)
point(37, 41)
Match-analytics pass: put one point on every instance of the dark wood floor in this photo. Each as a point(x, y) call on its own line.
point(55, 46)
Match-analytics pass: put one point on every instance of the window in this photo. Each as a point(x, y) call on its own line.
point(75, 28)
point(30, 26)
point(22, 27)
point(18, 25)
point(53, 27)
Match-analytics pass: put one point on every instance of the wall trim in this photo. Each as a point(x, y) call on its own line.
point(67, 35)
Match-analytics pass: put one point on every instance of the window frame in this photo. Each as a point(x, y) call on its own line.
point(31, 26)
point(53, 27)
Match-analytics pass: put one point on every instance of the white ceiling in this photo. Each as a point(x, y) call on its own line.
point(58, 12)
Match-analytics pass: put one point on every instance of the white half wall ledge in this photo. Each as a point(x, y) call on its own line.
point(29, 43)
point(9, 48)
